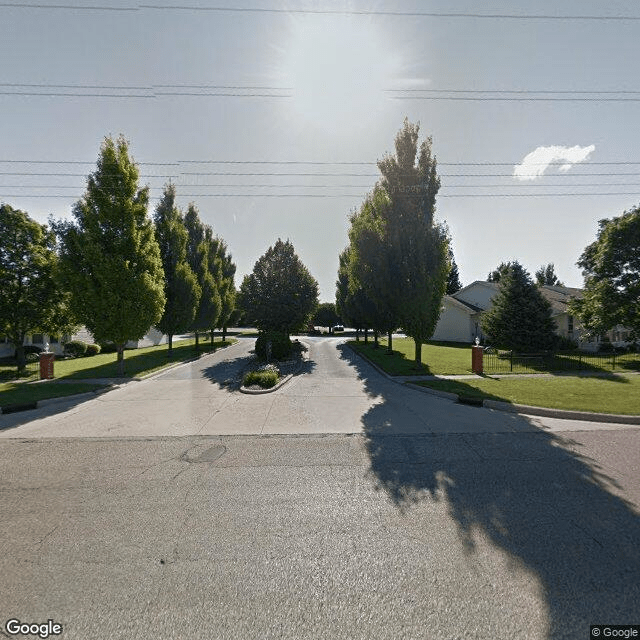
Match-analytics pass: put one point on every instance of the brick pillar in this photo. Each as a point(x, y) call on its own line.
point(476, 359)
point(46, 365)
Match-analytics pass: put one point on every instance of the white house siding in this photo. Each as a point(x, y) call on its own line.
point(454, 324)
point(479, 294)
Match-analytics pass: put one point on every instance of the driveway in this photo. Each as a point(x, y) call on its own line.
point(336, 392)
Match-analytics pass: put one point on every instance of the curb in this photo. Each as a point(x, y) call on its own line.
point(257, 392)
point(108, 387)
point(40, 404)
point(497, 405)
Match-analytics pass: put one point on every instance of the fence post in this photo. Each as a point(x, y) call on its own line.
point(476, 359)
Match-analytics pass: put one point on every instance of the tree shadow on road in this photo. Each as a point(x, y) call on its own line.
point(541, 498)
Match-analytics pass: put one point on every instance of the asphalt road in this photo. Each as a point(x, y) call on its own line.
point(408, 517)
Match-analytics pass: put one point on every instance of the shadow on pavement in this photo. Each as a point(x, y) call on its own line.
point(533, 494)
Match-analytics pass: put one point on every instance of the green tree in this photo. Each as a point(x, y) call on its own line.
point(326, 315)
point(546, 275)
point(109, 256)
point(181, 288)
point(520, 317)
point(419, 245)
point(373, 262)
point(225, 271)
point(611, 269)
point(351, 303)
point(203, 264)
point(453, 281)
point(30, 299)
point(497, 273)
point(280, 294)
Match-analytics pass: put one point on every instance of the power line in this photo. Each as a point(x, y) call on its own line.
point(337, 12)
point(350, 195)
point(321, 162)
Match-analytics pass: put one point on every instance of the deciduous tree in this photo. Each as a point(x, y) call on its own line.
point(109, 255)
point(181, 287)
point(611, 269)
point(30, 299)
point(410, 179)
point(280, 294)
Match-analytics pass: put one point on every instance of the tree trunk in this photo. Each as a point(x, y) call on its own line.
point(357, 335)
point(365, 335)
point(170, 338)
point(224, 333)
point(197, 344)
point(375, 340)
point(390, 345)
point(418, 358)
point(212, 346)
point(120, 349)
point(21, 360)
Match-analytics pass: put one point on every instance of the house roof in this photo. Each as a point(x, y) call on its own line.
point(557, 296)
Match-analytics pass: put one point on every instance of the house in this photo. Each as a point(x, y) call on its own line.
point(152, 337)
point(460, 316)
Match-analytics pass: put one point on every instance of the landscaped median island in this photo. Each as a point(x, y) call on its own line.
point(138, 362)
point(617, 394)
point(262, 376)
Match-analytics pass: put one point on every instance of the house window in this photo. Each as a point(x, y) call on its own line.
point(37, 338)
point(53, 339)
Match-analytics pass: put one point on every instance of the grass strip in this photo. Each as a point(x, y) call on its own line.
point(438, 358)
point(605, 394)
point(23, 393)
point(137, 362)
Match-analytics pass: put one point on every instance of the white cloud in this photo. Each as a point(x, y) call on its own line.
point(534, 164)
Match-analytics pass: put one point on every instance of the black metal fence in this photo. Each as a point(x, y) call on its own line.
point(499, 361)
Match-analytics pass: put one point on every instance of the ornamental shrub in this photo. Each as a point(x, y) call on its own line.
point(280, 345)
point(75, 348)
point(264, 379)
point(108, 347)
point(93, 350)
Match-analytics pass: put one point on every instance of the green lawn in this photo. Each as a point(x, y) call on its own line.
point(137, 362)
point(438, 358)
point(24, 392)
point(610, 394)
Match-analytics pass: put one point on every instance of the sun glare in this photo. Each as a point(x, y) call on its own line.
point(338, 68)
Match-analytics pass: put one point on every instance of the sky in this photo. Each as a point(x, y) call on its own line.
point(271, 120)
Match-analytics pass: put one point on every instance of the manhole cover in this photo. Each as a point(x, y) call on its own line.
point(211, 454)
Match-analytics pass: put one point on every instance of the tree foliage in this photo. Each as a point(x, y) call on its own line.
point(181, 287)
point(520, 317)
point(611, 269)
point(203, 263)
point(546, 275)
point(326, 315)
point(280, 294)
point(373, 260)
point(225, 274)
point(420, 246)
point(500, 271)
point(109, 256)
point(351, 302)
point(30, 299)
point(453, 281)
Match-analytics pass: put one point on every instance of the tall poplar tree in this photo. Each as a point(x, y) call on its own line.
point(420, 246)
point(373, 263)
point(226, 271)
point(110, 259)
point(199, 238)
point(181, 287)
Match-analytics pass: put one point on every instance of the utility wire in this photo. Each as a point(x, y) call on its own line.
point(338, 12)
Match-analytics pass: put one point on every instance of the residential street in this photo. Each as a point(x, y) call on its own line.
point(341, 506)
